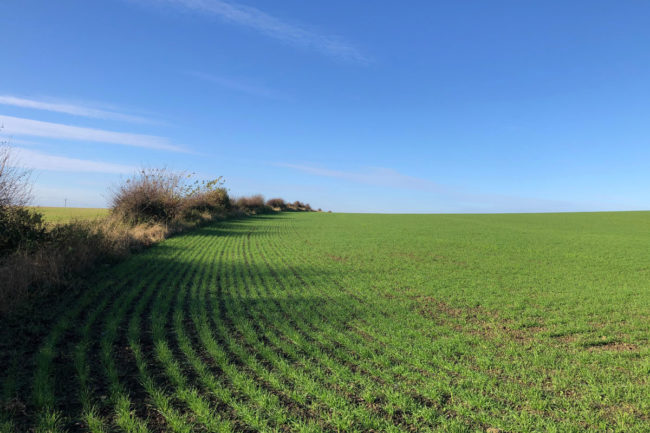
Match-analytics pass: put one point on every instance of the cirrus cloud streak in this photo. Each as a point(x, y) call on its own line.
point(271, 26)
point(35, 160)
point(67, 108)
point(36, 128)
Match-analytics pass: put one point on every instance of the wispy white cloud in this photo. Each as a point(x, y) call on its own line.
point(42, 161)
point(271, 26)
point(68, 108)
point(36, 128)
point(377, 176)
point(238, 85)
point(457, 199)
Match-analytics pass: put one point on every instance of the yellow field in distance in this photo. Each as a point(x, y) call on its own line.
point(66, 214)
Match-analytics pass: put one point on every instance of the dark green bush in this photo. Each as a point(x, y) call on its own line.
point(20, 229)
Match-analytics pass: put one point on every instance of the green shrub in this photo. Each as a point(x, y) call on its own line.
point(207, 196)
point(20, 228)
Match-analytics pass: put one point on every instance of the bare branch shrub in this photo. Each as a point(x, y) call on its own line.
point(206, 196)
point(277, 203)
point(299, 206)
point(161, 195)
point(254, 204)
point(15, 188)
point(151, 195)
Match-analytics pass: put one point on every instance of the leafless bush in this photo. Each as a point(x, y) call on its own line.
point(19, 227)
point(206, 197)
point(151, 195)
point(15, 188)
point(299, 206)
point(277, 203)
point(161, 195)
point(254, 204)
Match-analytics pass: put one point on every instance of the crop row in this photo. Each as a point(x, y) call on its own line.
point(247, 326)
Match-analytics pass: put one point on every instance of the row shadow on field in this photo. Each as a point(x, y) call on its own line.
point(22, 335)
point(271, 296)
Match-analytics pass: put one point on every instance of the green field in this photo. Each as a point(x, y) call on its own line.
point(67, 214)
point(341, 322)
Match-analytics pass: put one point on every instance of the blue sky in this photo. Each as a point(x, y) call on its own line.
point(354, 106)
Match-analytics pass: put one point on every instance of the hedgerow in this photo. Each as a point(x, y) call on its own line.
point(151, 205)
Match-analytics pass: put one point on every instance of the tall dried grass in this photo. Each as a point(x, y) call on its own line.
point(70, 250)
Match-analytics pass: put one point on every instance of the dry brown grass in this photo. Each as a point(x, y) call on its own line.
point(71, 250)
point(74, 248)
